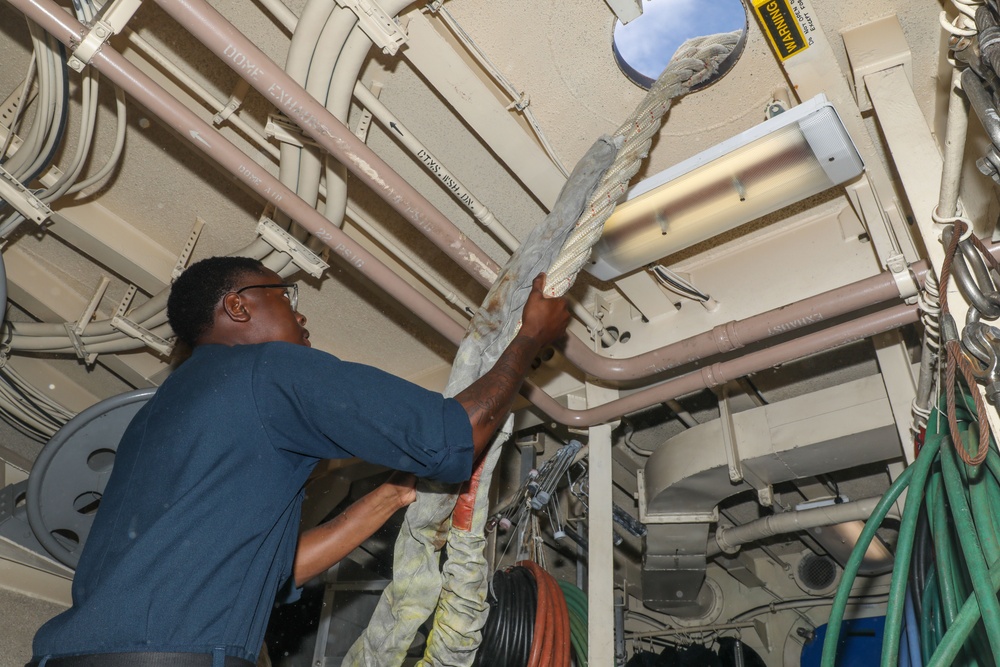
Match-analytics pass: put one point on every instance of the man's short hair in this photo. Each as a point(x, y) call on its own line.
point(196, 292)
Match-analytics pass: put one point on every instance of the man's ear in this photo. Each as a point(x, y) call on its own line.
point(235, 308)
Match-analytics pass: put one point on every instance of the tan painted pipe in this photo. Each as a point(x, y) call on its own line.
point(238, 52)
point(203, 136)
point(720, 373)
point(736, 334)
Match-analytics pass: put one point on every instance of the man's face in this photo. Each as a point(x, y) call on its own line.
point(271, 314)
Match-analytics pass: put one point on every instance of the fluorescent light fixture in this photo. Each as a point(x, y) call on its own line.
point(794, 155)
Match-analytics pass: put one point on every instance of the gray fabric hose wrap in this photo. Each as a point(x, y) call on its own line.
point(416, 586)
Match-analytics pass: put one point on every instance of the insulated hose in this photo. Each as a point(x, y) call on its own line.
point(534, 620)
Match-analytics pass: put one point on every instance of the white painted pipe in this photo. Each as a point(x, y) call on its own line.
point(731, 538)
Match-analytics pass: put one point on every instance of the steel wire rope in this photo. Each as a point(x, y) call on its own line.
point(930, 316)
point(956, 360)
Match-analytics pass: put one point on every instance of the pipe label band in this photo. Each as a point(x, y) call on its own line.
point(782, 26)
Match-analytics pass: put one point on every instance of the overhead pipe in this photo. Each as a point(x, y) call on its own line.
point(479, 210)
point(730, 538)
point(723, 338)
point(146, 92)
point(332, 58)
point(262, 143)
point(239, 53)
point(301, 50)
point(737, 334)
point(212, 29)
point(720, 373)
point(340, 35)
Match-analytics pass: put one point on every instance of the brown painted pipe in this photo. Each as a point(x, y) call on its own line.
point(720, 373)
point(240, 54)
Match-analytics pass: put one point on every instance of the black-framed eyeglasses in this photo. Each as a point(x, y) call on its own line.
point(291, 291)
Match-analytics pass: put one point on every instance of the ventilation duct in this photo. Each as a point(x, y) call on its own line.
point(687, 477)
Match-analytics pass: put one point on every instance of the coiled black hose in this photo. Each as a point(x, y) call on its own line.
point(510, 626)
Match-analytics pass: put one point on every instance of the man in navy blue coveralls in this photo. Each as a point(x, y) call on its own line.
point(197, 530)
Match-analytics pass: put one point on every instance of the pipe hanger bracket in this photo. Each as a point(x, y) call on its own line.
point(905, 282)
point(112, 20)
point(282, 241)
point(151, 340)
point(20, 197)
point(92, 42)
point(378, 24)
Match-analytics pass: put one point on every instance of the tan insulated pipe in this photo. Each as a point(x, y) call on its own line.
point(731, 538)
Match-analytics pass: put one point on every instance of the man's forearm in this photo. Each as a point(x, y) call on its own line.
point(488, 400)
point(328, 543)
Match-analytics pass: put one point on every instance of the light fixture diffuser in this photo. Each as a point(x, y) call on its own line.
point(786, 159)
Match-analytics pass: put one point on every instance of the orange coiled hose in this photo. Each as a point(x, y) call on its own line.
point(551, 645)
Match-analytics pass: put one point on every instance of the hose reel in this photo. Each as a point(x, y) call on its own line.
point(69, 475)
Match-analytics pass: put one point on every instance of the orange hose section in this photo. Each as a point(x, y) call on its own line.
point(539, 651)
point(551, 646)
point(465, 504)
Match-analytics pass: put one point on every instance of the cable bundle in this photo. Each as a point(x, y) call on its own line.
point(509, 630)
point(27, 409)
point(551, 645)
point(534, 620)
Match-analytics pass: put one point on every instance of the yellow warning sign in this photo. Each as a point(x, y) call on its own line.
point(781, 27)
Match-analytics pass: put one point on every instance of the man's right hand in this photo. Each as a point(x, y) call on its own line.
point(488, 399)
point(543, 319)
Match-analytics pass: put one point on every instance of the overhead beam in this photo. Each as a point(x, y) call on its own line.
point(111, 241)
point(478, 106)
